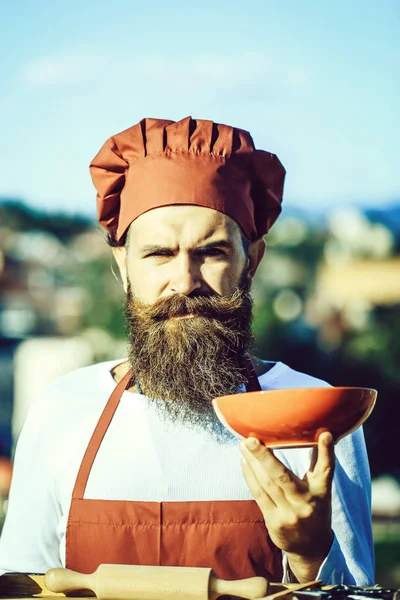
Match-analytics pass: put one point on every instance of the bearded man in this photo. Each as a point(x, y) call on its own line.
point(126, 461)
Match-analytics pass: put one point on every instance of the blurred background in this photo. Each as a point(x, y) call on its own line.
point(315, 83)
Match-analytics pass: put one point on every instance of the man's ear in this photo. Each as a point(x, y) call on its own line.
point(119, 253)
point(255, 253)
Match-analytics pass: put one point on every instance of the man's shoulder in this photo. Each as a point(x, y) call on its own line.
point(97, 373)
point(79, 389)
point(281, 376)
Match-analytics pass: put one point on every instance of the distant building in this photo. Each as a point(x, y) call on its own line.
point(374, 282)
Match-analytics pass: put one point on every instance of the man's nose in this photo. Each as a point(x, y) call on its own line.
point(187, 277)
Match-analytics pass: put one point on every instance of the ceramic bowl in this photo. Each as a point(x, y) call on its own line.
point(5, 476)
point(295, 417)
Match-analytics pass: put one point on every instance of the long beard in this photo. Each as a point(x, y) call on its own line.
point(182, 364)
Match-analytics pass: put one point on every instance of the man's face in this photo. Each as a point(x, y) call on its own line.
point(188, 312)
point(189, 250)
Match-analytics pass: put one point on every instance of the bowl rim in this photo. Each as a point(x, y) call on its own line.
point(302, 389)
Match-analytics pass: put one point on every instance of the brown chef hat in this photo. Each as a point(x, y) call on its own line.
point(158, 163)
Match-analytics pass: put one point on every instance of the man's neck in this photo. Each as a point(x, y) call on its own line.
point(119, 372)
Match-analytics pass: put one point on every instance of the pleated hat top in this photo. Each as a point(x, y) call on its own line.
point(198, 162)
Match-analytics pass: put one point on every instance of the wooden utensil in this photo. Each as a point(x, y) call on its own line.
point(293, 588)
point(137, 582)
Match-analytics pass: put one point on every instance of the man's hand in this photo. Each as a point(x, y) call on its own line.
point(297, 512)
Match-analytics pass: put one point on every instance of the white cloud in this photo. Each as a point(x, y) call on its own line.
point(191, 73)
point(217, 68)
point(59, 70)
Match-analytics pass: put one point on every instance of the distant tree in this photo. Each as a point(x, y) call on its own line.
point(18, 216)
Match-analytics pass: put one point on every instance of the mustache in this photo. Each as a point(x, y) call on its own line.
point(210, 306)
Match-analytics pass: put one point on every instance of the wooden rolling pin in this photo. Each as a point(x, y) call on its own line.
point(137, 582)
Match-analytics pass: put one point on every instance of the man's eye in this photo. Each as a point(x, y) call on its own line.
point(159, 253)
point(202, 253)
point(213, 252)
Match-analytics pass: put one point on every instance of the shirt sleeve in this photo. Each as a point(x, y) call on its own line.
point(351, 557)
point(29, 541)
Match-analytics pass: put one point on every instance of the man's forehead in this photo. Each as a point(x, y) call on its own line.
point(184, 224)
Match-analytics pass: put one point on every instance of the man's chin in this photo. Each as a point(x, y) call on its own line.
point(185, 353)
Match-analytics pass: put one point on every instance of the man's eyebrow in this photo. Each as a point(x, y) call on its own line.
point(150, 248)
point(218, 243)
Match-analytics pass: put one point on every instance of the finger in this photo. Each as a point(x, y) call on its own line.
point(314, 457)
point(259, 469)
point(325, 465)
point(264, 501)
point(273, 475)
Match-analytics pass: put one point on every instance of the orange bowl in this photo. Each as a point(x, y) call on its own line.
point(295, 417)
point(5, 476)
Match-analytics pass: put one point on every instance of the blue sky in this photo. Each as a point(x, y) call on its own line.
point(317, 83)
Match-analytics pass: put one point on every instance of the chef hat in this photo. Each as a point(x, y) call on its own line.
point(160, 163)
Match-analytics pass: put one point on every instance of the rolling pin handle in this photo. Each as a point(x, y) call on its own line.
point(251, 588)
point(65, 580)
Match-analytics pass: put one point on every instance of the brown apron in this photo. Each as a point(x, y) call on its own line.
point(228, 536)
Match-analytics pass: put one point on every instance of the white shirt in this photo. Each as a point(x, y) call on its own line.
point(143, 458)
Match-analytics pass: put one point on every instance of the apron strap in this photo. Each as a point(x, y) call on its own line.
point(253, 384)
point(98, 435)
point(106, 418)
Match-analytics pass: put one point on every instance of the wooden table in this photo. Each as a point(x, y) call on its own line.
point(21, 585)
